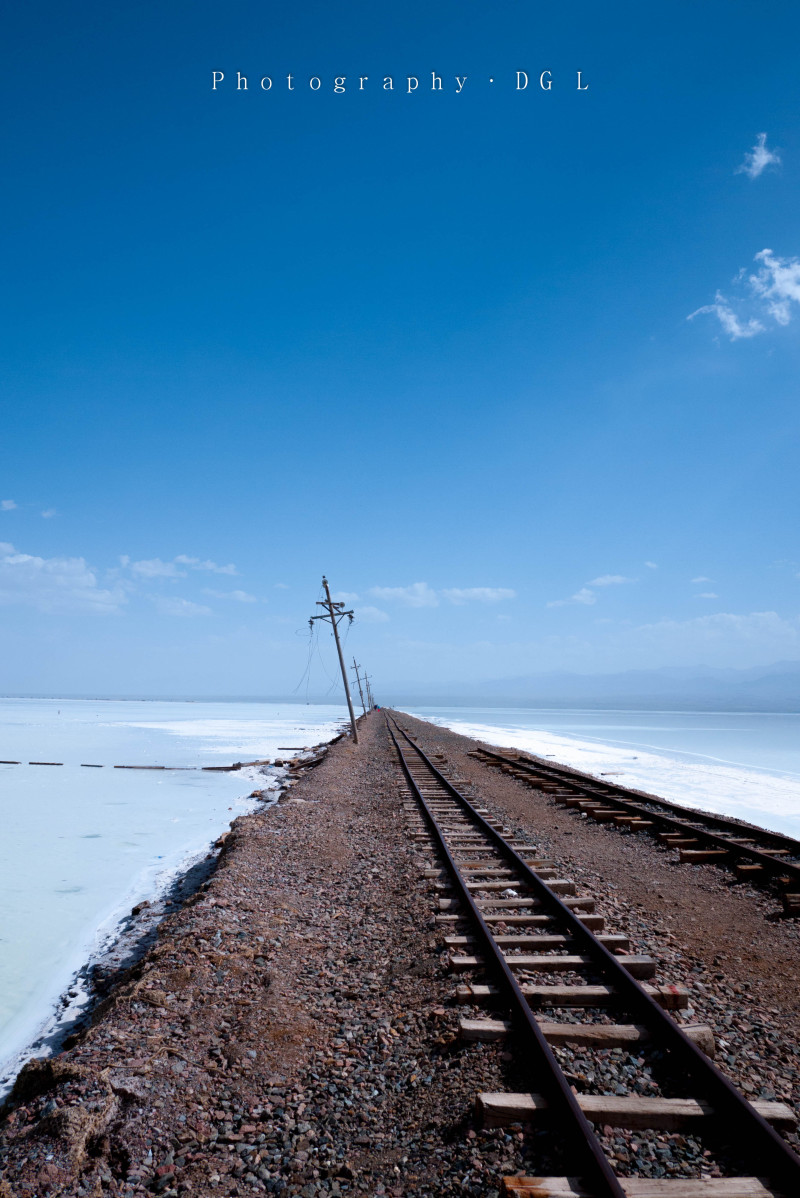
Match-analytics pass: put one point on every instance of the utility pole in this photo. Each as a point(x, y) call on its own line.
point(358, 680)
point(369, 691)
point(335, 612)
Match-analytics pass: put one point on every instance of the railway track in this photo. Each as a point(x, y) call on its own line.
point(513, 926)
point(754, 854)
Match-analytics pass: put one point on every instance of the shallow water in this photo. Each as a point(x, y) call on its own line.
point(81, 846)
point(733, 763)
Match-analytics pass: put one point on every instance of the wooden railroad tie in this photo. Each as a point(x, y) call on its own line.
point(632, 1112)
point(540, 941)
point(557, 885)
point(595, 923)
point(638, 965)
point(581, 901)
point(747, 869)
point(670, 997)
point(640, 1187)
point(582, 1035)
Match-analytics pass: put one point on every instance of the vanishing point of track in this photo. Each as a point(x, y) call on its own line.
point(521, 923)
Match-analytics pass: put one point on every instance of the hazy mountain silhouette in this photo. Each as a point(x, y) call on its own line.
point(765, 688)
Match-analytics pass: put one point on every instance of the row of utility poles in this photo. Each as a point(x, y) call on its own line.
point(335, 613)
point(366, 687)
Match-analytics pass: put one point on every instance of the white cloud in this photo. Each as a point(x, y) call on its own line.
point(48, 513)
point(758, 159)
point(461, 595)
point(53, 584)
point(7, 505)
point(736, 328)
point(767, 294)
point(197, 564)
point(371, 615)
point(609, 580)
point(239, 596)
point(419, 594)
point(281, 586)
point(701, 578)
point(651, 565)
point(752, 638)
point(777, 283)
point(707, 595)
point(154, 567)
point(172, 606)
point(584, 595)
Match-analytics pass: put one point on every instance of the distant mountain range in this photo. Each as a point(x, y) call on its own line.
point(766, 688)
point(701, 688)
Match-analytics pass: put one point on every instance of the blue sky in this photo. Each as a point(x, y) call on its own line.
point(517, 369)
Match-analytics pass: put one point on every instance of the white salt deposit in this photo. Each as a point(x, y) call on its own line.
point(81, 846)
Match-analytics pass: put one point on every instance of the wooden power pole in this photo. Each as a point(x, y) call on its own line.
point(360, 691)
point(369, 692)
point(335, 613)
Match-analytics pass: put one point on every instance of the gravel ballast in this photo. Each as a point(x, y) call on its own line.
point(294, 1030)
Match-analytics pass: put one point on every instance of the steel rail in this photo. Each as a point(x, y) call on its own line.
point(754, 1138)
point(566, 774)
point(599, 1173)
point(591, 789)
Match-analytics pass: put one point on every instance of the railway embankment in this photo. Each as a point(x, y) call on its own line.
point(295, 1028)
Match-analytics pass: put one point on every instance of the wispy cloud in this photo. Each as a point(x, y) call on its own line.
point(154, 567)
point(651, 565)
point(767, 294)
point(282, 586)
point(371, 615)
point(701, 578)
point(418, 594)
point(48, 513)
point(172, 606)
point(610, 580)
point(196, 563)
point(756, 636)
point(53, 584)
point(461, 595)
point(239, 596)
point(7, 505)
point(758, 159)
point(707, 595)
point(736, 327)
point(584, 596)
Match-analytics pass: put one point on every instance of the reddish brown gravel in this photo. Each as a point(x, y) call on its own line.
point(293, 1031)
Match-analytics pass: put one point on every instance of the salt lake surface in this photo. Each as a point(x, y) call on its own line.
point(81, 846)
point(733, 763)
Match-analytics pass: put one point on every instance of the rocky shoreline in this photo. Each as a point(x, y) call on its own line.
point(292, 1030)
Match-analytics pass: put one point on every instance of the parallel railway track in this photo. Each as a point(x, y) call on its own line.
point(517, 925)
point(755, 854)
